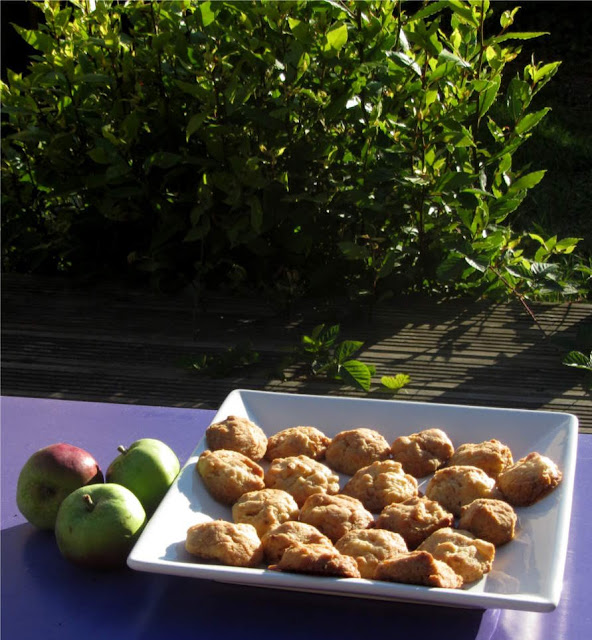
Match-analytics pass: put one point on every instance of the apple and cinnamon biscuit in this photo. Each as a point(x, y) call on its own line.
point(529, 480)
point(301, 477)
point(356, 448)
point(285, 535)
point(335, 515)
point(296, 441)
point(418, 567)
point(368, 547)
point(228, 543)
point(318, 560)
point(454, 487)
point(415, 519)
point(491, 520)
point(468, 556)
point(423, 452)
point(228, 474)
point(237, 434)
point(265, 509)
point(381, 483)
point(492, 456)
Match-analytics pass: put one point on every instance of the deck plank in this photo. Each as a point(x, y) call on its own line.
point(115, 344)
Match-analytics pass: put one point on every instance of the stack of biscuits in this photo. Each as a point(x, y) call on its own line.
point(292, 512)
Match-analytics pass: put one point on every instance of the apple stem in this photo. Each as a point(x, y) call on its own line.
point(121, 449)
point(90, 505)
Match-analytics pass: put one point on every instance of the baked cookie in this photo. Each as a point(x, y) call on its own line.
point(528, 480)
point(296, 441)
point(491, 520)
point(318, 560)
point(423, 452)
point(492, 456)
point(301, 477)
point(265, 509)
point(237, 545)
point(237, 434)
point(229, 474)
point(277, 540)
point(335, 515)
point(418, 567)
point(415, 519)
point(454, 487)
point(381, 483)
point(465, 554)
point(351, 450)
point(368, 547)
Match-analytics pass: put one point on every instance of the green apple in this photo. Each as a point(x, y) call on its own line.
point(147, 467)
point(48, 476)
point(97, 526)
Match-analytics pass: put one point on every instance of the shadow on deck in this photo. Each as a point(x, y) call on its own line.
point(111, 344)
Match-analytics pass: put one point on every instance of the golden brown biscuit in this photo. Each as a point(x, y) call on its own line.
point(423, 452)
point(418, 567)
point(492, 456)
point(237, 545)
point(415, 519)
point(381, 483)
point(491, 520)
point(318, 560)
point(229, 474)
point(528, 480)
point(265, 509)
point(468, 556)
point(335, 515)
point(296, 441)
point(351, 450)
point(301, 477)
point(454, 487)
point(277, 540)
point(237, 434)
point(368, 547)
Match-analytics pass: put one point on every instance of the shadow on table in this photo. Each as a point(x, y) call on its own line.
point(42, 593)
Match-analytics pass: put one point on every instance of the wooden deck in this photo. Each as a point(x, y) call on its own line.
point(112, 344)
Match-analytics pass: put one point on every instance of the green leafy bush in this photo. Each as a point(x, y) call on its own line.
point(291, 146)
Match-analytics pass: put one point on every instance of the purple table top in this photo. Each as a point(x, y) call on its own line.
point(44, 596)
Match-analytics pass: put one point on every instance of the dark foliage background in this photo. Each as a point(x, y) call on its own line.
point(557, 206)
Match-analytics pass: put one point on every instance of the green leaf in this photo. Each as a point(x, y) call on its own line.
point(520, 35)
point(353, 251)
point(336, 36)
point(99, 155)
point(93, 78)
point(546, 72)
point(163, 160)
point(256, 213)
point(464, 12)
point(346, 349)
point(194, 124)
point(488, 96)
point(452, 57)
point(567, 245)
point(579, 360)
point(206, 13)
point(407, 61)
point(501, 208)
point(328, 335)
point(479, 264)
point(394, 383)
point(527, 181)
point(356, 373)
point(530, 120)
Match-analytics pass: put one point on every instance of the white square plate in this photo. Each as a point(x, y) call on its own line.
point(527, 573)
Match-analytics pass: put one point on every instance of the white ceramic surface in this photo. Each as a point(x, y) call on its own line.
point(527, 573)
